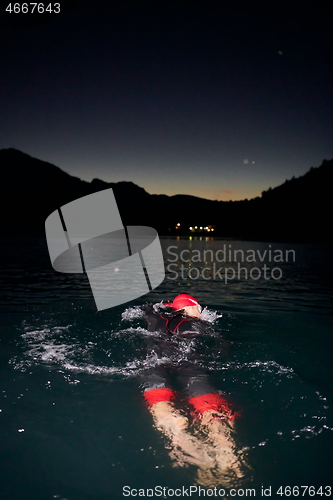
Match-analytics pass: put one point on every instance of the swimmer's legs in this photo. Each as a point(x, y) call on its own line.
point(185, 448)
point(159, 400)
point(209, 444)
point(166, 417)
point(215, 419)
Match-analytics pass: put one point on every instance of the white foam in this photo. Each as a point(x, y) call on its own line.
point(36, 334)
point(49, 346)
point(209, 316)
point(131, 368)
point(138, 312)
point(308, 431)
point(132, 313)
point(266, 366)
point(132, 332)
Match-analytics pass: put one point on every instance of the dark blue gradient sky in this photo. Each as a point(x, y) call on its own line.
point(215, 102)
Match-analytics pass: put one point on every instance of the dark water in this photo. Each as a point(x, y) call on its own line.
point(73, 422)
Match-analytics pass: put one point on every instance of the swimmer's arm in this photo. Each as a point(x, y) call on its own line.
point(149, 311)
point(151, 318)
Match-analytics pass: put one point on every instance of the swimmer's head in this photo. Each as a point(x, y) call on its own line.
point(188, 304)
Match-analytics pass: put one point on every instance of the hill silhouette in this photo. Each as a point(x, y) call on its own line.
point(297, 210)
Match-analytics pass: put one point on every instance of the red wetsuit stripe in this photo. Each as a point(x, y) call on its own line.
point(211, 402)
point(178, 324)
point(153, 396)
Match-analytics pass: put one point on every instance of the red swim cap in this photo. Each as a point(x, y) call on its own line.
point(184, 300)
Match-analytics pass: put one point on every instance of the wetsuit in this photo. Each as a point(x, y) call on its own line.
point(172, 323)
point(175, 329)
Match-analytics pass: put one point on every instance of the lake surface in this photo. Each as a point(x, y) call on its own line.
point(73, 421)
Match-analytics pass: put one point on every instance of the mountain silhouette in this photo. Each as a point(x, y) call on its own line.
point(297, 210)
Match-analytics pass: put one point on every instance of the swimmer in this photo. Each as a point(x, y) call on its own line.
point(185, 315)
point(205, 439)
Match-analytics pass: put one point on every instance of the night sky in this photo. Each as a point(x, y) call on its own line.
point(217, 102)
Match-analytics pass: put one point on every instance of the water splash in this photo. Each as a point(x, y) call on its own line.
point(210, 316)
point(132, 313)
point(125, 352)
point(267, 366)
point(130, 369)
